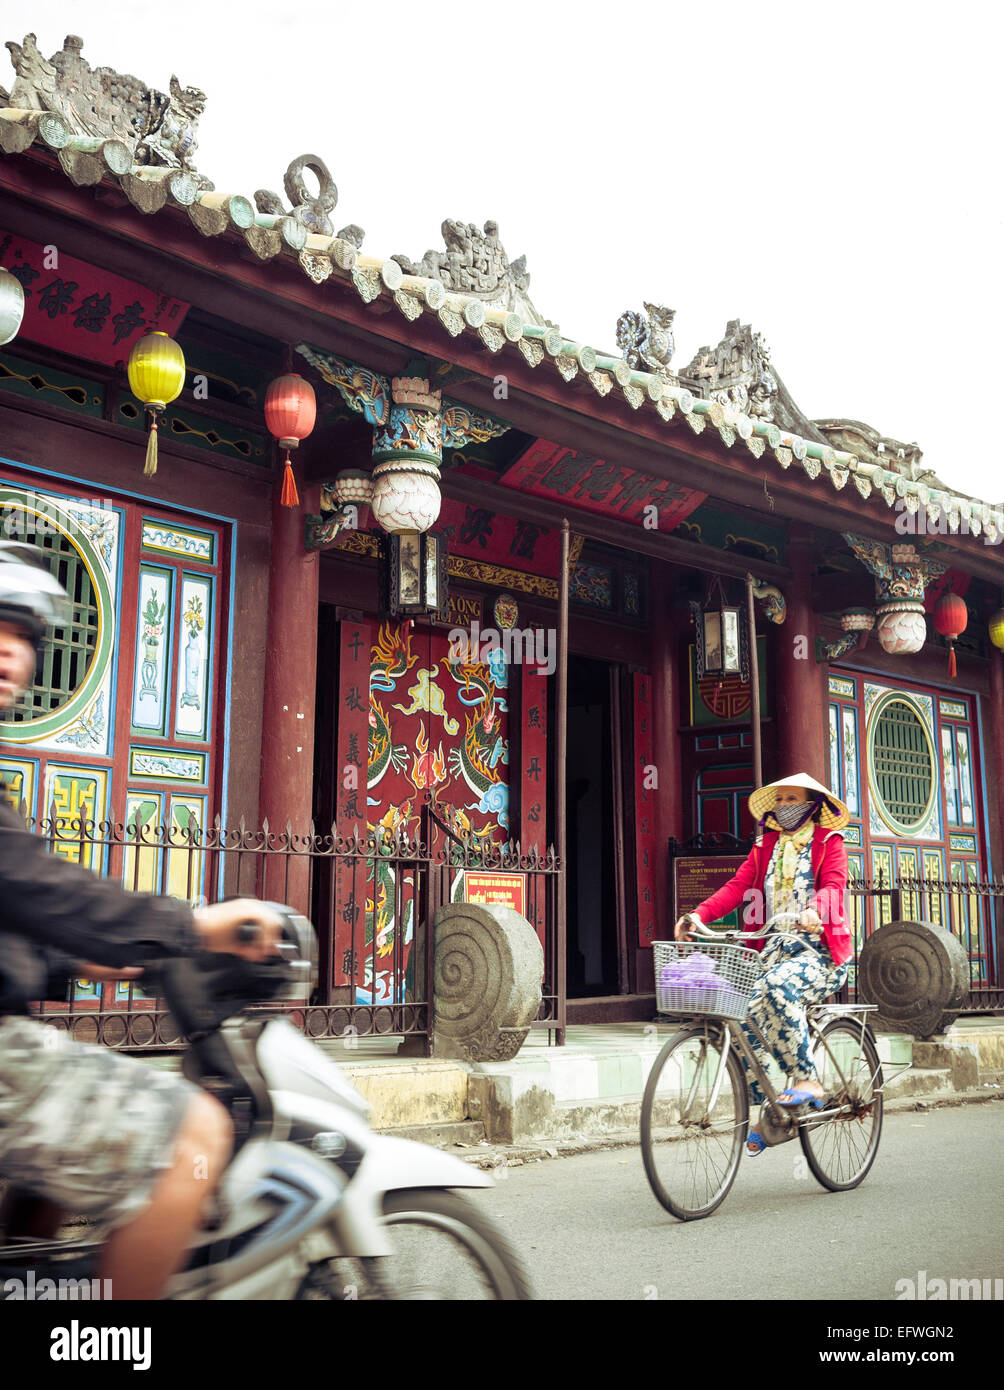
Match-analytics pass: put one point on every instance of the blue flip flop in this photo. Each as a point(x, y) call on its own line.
point(757, 1140)
point(796, 1098)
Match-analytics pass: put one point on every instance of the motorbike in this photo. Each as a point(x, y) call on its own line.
point(314, 1205)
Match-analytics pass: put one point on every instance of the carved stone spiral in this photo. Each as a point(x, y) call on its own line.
point(488, 971)
point(918, 975)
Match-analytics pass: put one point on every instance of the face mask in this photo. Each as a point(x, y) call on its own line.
point(793, 814)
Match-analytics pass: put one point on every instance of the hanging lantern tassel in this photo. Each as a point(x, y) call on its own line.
point(290, 412)
point(952, 668)
point(156, 371)
point(289, 496)
point(150, 466)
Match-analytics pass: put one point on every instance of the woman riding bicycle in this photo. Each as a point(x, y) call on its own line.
point(798, 866)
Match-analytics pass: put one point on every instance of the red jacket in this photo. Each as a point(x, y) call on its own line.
point(829, 867)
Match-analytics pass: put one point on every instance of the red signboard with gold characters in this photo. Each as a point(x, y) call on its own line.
point(598, 485)
point(82, 309)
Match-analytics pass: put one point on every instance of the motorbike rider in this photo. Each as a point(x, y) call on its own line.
point(82, 1127)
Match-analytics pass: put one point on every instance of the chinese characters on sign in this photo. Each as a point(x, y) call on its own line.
point(350, 791)
point(509, 890)
point(696, 877)
point(82, 309)
point(596, 485)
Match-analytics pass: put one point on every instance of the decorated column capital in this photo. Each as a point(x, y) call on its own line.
point(412, 424)
point(901, 576)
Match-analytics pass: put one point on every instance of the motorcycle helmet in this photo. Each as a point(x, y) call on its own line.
point(30, 596)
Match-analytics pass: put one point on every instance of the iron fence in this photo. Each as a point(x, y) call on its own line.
point(372, 900)
point(971, 909)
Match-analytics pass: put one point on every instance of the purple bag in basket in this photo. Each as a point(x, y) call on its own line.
point(693, 971)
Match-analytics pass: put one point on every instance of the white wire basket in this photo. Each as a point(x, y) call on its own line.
point(704, 977)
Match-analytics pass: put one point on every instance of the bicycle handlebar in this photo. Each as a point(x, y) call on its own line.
point(706, 933)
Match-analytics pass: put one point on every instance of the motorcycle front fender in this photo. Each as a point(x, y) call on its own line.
point(393, 1165)
point(384, 1165)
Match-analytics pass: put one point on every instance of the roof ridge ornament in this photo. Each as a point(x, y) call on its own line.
point(309, 209)
point(475, 263)
point(646, 340)
point(159, 129)
point(872, 447)
point(736, 373)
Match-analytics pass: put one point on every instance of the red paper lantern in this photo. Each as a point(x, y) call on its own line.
point(950, 618)
point(290, 412)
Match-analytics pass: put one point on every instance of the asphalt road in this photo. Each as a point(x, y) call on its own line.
point(588, 1226)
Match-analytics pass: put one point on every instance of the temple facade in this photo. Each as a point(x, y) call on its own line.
point(525, 606)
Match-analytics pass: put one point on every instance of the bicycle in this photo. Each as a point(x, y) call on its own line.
point(695, 1110)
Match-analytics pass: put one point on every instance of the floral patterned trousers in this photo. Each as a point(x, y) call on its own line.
point(796, 973)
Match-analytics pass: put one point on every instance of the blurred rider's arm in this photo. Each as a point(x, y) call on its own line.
point(50, 902)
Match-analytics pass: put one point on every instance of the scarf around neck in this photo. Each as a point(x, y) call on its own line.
point(790, 845)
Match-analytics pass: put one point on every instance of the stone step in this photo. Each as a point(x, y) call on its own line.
point(467, 1134)
point(596, 1119)
point(961, 1060)
point(619, 1008)
point(402, 1094)
point(918, 1081)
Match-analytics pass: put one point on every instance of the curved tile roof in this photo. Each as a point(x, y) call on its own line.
point(471, 288)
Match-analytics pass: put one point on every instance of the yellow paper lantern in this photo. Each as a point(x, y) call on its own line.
point(997, 629)
point(156, 377)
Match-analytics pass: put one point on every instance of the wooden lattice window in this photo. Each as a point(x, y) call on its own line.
point(64, 661)
point(902, 765)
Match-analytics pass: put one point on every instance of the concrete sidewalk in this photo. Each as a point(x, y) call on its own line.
point(588, 1093)
point(591, 1089)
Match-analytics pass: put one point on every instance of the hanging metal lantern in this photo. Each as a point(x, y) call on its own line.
point(951, 617)
point(11, 306)
point(722, 641)
point(156, 370)
point(414, 578)
point(997, 629)
point(290, 412)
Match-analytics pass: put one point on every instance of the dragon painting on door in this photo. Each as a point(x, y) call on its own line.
point(436, 726)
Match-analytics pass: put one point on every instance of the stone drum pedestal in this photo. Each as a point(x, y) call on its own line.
point(487, 991)
point(917, 974)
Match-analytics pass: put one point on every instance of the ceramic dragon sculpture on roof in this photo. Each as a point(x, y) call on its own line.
point(646, 340)
point(99, 102)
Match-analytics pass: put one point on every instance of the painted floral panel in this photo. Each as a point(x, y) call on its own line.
point(153, 641)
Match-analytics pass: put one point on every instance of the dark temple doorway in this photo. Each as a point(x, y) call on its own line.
point(592, 930)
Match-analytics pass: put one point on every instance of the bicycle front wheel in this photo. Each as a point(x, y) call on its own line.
point(693, 1123)
point(841, 1148)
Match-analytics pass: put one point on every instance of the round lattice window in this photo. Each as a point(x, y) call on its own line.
point(65, 661)
point(902, 770)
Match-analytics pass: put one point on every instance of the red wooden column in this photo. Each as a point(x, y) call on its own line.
point(287, 761)
point(801, 694)
point(995, 763)
point(665, 713)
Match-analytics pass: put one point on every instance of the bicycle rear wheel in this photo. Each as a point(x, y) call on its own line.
point(841, 1148)
point(691, 1138)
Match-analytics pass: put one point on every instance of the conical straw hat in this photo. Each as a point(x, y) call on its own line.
point(833, 814)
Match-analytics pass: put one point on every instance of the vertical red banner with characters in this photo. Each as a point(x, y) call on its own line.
point(646, 789)
point(533, 783)
point(353, 736)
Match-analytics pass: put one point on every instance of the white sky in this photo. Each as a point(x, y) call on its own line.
point(831, 174)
